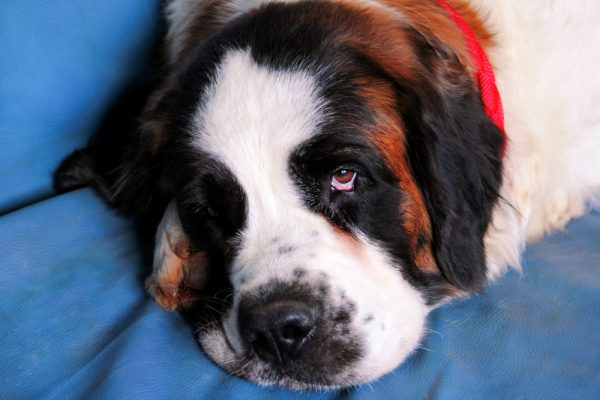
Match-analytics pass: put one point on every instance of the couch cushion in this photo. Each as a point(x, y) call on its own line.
point(77, 323)
point(61, 65)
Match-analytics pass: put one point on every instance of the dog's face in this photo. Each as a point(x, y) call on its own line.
point(305, 207)
point(337, 167)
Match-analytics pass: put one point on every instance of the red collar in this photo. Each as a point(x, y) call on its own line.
point(484, 74)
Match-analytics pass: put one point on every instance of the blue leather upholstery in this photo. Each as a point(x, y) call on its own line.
point(76, 323)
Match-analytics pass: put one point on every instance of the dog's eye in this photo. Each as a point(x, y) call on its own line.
point(212, 212)
point(343, 180)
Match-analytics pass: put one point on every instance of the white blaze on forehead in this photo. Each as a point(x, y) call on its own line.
point(253, 118)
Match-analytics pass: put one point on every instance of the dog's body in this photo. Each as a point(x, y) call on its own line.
point(543, 59)
point(334, 159)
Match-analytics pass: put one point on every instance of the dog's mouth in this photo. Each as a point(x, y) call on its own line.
point(306, 333)
point(307, 372)
point(289, 373)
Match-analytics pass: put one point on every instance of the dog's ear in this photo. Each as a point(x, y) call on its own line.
point(454, 150)
point(125, 162)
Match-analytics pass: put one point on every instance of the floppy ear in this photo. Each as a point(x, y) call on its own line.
point(454, 150)
point(125, 163)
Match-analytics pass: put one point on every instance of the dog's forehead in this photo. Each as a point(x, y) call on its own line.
point(252, 117)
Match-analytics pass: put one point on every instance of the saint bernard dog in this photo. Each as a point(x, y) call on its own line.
point(329, 171)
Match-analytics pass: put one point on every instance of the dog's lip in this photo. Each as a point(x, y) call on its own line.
point(222, 353)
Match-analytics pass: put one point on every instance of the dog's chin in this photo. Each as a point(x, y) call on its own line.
point(248, 366)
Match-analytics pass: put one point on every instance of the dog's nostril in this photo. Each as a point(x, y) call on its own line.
point(295, 330)
point(277, 331)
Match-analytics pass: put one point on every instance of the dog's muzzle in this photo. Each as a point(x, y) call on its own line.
point(295, 333)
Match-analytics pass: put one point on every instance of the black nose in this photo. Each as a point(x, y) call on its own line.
point(276, 331)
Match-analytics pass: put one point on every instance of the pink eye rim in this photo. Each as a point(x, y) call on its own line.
point(342, 180)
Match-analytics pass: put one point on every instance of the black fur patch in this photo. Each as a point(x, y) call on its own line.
point(211, 203)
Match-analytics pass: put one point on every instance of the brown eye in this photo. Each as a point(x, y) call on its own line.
point(343, 180)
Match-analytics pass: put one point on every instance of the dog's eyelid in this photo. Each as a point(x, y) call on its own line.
point(343, 180)
point(212, 212)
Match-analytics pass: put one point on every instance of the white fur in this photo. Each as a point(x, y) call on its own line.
point(546, 64)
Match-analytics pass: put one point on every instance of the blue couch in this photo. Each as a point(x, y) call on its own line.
point(75, 321)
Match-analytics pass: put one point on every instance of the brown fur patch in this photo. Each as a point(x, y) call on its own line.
point(433, 21)
point(387, 134)
point(182, 273)
point(382, 38)
point(476, 22)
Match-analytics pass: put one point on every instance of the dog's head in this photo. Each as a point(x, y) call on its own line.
point(335, 163)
